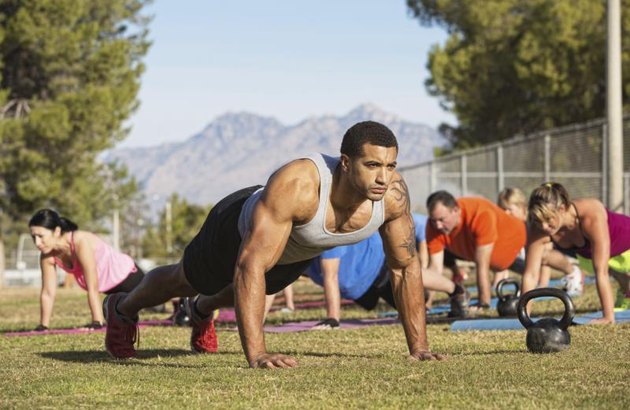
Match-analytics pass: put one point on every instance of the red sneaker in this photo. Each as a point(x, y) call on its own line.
point(122, 332)
point(203, 338)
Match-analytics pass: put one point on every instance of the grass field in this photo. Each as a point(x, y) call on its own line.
point(362, 368)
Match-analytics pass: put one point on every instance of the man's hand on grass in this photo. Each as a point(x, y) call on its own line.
point(274, 361)
point(423, 355)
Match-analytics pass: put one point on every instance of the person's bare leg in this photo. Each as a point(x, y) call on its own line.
point(623, 279)
point(268, 304)
point(483, 286)
point(557, 260)
point(437, 282)
point(288, 297)
point(545, 276)
point(206, 304)
point(499, 276)
point(158, 286)
point(429, 296)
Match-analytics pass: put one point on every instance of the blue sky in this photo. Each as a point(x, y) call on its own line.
point(288, 59)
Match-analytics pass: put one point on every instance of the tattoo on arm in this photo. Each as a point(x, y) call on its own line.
point(410, 242)
point(400, 192)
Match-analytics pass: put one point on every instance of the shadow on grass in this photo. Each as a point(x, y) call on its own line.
point(91, 356)
point(331, 354)
point(492, 353)
point(100, 357)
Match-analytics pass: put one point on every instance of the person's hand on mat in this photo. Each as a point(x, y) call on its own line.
point(41, 328)
point(424, 355)
point(600, 321)
point(327, 324)
point(274, 361)
point(94, 325)
point(479, 307)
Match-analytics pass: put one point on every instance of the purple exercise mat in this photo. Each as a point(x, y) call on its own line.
point(345, 324)
point(226, 315)
point(229, 316)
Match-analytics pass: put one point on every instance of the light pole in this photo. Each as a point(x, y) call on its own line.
point(614, 108)
point(116, 225)
point(169, 228)
point(168, 223)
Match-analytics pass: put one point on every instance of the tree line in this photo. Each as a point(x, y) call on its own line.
point(70, 72)
point(514, 67)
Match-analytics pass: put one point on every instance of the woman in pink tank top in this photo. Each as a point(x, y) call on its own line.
point(96, 266)
point(600, 238)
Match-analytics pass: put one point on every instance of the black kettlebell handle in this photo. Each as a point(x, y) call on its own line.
point(503, 282)
point(569, 308)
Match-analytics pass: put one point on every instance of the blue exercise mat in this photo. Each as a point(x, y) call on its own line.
point(620, 317)
point(514, 324)
point(486, 324)
point(435, 310)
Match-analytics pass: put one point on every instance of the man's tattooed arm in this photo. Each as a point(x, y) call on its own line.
point(400, 193)
point(400, 198)
point(409, 243)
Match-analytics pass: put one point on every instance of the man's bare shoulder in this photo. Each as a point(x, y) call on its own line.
point(296, 186)
point(396, 198)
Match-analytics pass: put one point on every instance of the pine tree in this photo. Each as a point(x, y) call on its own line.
point(70, 73)
point(515, 67)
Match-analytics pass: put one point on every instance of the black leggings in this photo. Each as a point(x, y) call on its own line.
point(129, 283)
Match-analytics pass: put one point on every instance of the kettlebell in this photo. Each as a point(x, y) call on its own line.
point(547, 335)
point(507, 304)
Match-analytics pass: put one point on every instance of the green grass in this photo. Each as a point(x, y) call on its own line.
point(363, 368)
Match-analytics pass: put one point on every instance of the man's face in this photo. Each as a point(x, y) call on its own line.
point(371, 173)
point(443, 218)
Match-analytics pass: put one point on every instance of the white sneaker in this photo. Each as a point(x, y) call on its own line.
point(573, 283)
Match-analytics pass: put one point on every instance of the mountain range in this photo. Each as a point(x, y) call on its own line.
point(236, 150)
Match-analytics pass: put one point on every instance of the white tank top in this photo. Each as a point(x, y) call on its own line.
point(311, 239)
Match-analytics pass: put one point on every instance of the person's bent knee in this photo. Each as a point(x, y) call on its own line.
point(181, 283)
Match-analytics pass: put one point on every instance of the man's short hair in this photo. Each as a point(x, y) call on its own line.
point(370, 132)
point(441, 197)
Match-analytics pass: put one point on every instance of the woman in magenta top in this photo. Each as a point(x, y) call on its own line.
point(96, 266)
point(601, 239)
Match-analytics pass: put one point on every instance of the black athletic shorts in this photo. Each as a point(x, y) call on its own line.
point(129, 283)
point(209, 259)
point(518, 265)
point(381, 288)
point(571, 252)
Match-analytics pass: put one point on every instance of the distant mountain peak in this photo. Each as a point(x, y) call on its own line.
point(238, 149)
point(371, 112)
point(369, 108)
point(231, 119)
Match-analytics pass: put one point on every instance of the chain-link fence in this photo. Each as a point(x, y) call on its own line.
point(574, 156)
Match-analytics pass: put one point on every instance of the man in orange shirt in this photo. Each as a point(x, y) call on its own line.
point(473, 229)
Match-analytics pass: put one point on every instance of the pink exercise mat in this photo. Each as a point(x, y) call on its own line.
point(82, 330)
